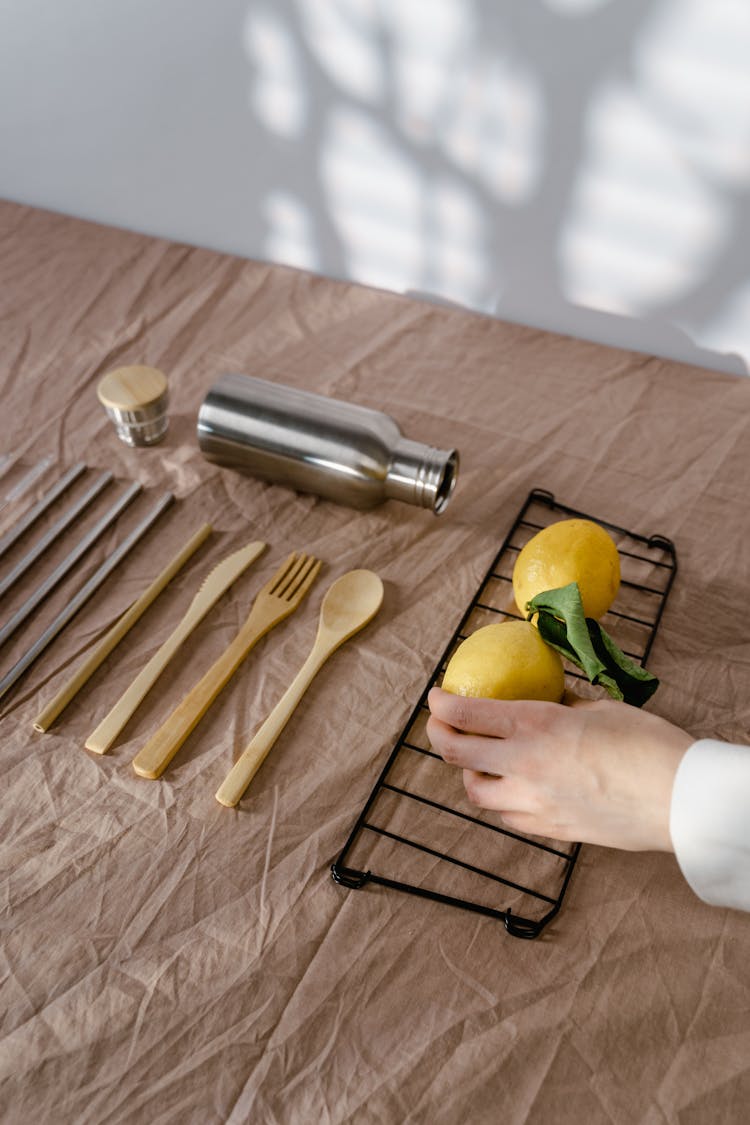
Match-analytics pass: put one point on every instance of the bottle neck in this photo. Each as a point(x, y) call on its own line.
point(421, 475)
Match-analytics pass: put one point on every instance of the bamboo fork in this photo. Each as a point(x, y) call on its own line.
point(276, 600)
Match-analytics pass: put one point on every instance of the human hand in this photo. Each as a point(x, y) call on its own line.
point(600, 772)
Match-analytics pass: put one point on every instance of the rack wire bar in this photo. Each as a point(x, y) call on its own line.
point(551, 865)
point(472, 819)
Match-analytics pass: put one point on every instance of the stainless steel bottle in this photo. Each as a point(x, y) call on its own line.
point(339, 450)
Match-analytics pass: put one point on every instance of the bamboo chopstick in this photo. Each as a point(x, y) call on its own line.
point(68, 691)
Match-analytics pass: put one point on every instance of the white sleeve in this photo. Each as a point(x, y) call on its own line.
point(710, 822)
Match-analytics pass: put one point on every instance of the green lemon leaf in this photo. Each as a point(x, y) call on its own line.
point(562, 625)
point(635, 683)
point(582, 640)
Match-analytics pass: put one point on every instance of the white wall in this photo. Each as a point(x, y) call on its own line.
point(579, 165)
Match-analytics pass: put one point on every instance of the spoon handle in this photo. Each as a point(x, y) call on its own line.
point(243, 771)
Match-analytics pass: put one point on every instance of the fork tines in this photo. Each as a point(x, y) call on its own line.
point(297, 575)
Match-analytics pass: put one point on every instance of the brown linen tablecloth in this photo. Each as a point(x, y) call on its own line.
point(165, 959)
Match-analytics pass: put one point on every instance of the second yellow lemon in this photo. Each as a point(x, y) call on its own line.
point(575, 550)
point(506, 660)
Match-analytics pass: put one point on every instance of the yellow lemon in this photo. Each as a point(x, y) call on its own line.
point(508, 660)
point(576, 550)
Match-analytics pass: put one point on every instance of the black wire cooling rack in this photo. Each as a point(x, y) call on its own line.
point(417, 832)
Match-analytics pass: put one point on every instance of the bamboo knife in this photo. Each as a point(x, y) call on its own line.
point(214, 585)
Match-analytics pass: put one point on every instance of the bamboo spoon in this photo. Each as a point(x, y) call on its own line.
point(216, 582)
point(349, 604)
point(276, 600)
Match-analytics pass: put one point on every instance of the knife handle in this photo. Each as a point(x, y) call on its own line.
point(100, 740)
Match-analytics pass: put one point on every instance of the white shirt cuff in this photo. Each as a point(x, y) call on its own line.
point(710, 822)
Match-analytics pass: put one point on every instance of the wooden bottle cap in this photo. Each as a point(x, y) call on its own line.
point(136, 399)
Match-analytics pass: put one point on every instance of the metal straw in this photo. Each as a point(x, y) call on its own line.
point(26, 482)
point(83, 595)
point(33, 514)
point(54, 532)
point(68, 563)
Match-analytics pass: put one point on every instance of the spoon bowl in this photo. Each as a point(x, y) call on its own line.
point(350, 602)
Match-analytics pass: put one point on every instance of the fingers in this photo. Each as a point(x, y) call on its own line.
point(516, 802)
point(489, 735)
point(508, 750)
point(502, 794)
point(469, 751)
point(498, 718)
point(480, 716)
